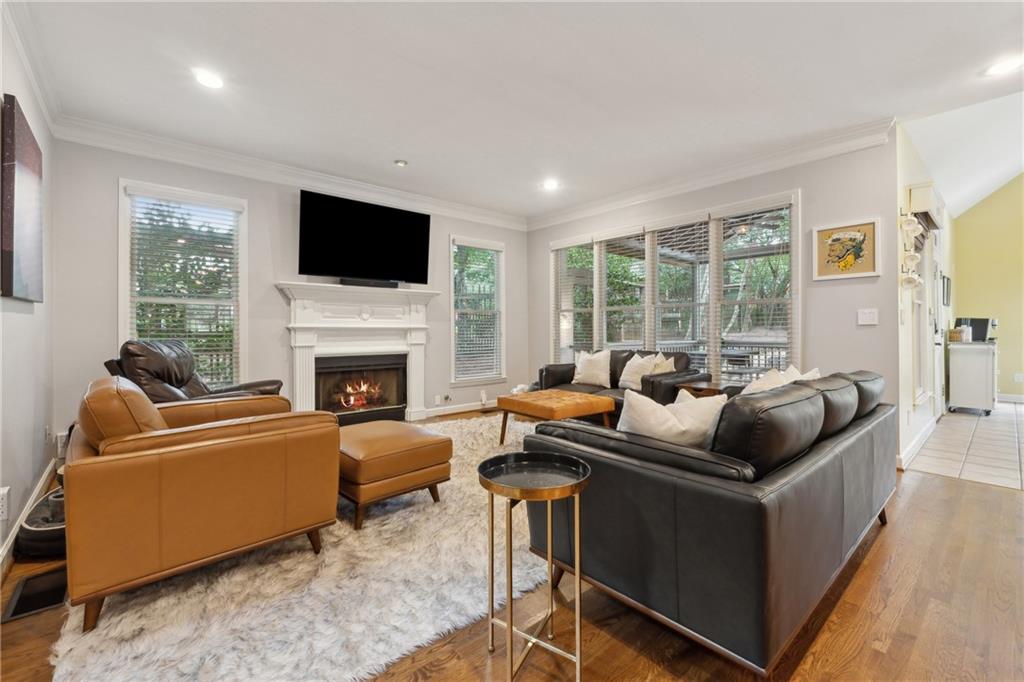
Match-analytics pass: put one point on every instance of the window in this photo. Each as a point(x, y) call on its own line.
point(681, 303)
point(573, 279)
point(624, 291)
point(478, 329)
point(719, 289)
point(755, 297)
point(180, 264)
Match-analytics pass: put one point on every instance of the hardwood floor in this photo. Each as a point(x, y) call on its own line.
point(938, 593)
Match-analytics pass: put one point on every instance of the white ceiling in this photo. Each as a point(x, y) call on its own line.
point(487, 100)
point(972, 151)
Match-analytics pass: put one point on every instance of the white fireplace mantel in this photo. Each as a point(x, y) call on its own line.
point(336, 319)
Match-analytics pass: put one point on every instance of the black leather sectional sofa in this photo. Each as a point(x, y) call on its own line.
point(735, 545)
point(659, 387)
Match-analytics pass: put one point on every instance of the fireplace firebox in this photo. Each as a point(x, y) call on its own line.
point(361, 388)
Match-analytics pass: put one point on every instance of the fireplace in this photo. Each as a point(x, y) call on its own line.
point(361, 388)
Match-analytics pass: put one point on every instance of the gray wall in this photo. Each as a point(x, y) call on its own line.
point(850, 187)
point(85, 263)
point(25, 366)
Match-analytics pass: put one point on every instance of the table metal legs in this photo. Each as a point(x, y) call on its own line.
point(512, 666)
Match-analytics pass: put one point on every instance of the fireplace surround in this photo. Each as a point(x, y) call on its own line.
point(341, 321)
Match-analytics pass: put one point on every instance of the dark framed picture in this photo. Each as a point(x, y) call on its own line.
point(21, 215)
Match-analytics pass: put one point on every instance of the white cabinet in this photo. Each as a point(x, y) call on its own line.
point(972, 375)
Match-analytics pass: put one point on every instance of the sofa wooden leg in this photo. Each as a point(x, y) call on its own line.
point(882, 518)
point(314, 539)
point(433, 492)
point(92, 613)
point(556, 576)
point(358, 522)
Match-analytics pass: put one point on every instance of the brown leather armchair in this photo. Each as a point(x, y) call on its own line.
point(166, 372)
point(153, 491)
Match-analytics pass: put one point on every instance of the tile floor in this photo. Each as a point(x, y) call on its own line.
point(974, 447)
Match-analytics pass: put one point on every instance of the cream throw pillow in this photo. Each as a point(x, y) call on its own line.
point(773, 378)
point(593, 368)
point(689, 421)
point(663, 365)
point(637, 367)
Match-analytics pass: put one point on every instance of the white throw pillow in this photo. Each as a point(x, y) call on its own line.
point(689, 421)
point(813, 374)
point(790, 375)
point(636, 368)
point(771, 379)
point(663, 364)
point(593, 368)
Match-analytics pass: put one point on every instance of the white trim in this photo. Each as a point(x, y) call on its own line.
point(911, 451)
point(879, 230)
point(1010, 398)
point(855, 138)
point(37, 492)
point(499, 248)
point(452, 409)
point(668, 222)
point(127, 188)
point(617, 232)
point(569, 242)
point(165, 149)
point(18, 20)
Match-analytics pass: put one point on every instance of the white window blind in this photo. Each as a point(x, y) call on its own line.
point(623, 309)
point(477, 333)
point(683, 292)
point(756, 294)
point(573, 314)
point(184, 280)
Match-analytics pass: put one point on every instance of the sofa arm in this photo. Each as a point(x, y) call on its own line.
point(664, 387)
point(191, 412)
point(261, 387)
point(136, 517)
point(553, 375)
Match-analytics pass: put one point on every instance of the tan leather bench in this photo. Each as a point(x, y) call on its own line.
point(384, 459)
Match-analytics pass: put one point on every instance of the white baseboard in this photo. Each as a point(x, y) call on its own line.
point(910, 452)
point(6, 552)
point(464, 407)
point(1010, 398)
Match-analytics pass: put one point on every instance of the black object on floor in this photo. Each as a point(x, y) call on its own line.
point(41, 535)
point(35, 593)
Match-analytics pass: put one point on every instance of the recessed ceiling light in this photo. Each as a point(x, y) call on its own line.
point(401, 163)
point(1005, 66)
point(208, 78)
point(551, 184)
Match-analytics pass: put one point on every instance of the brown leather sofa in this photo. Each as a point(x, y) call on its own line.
point(165, 370)
point(156, 490)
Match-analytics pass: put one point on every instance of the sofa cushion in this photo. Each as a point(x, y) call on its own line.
point(770, 428)
point(616, 394)
point(618, 363)
point(870, 387)
point(579, 388)
point(839, 397)
point(114, 406)
point(377, 450)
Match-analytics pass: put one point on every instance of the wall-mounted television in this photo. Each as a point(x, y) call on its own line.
point(354, 240)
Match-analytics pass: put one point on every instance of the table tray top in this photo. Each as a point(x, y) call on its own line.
point(534, 475)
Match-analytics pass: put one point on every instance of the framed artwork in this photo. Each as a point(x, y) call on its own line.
point(21, 214)
point(844, 251)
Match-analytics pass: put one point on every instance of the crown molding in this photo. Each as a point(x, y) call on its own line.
point(127, 141)
point(855, 138)
point(22, 29)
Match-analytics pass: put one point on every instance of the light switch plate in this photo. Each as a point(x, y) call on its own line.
point(867, 316)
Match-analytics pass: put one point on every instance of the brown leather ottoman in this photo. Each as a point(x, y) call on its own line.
point(385, 459)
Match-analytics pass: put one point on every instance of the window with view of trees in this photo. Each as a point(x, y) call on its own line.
point(477, 324)
point(183, 279)
point(720, 290)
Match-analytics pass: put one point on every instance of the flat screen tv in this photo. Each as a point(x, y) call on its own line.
point(354, 240)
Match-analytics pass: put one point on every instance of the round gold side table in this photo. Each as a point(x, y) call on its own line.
point(537, 477)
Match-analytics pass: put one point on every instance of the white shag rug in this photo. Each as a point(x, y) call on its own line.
point(416, 570)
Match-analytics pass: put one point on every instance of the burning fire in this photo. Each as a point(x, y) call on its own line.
point(361, 394)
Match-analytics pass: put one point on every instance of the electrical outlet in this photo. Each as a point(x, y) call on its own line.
point(437, 399)
point(62, 443)
point(5, 493)
point(483, 397)
point(1018, 378)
